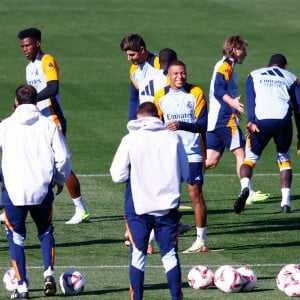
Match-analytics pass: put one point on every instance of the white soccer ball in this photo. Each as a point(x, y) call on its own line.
point(10, 280)
point(292, 284)
point(228, 280)
point(71, 283)
point(200, 277)
point(284, 273)
point(249, 278)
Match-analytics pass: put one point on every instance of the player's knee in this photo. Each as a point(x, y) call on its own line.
point(48, 231)
point(210, 163)
point(170, 260)
point(138, 259)
point(18, 239)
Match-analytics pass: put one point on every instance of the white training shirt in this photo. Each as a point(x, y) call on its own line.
point(269, 92)
point(154, 80)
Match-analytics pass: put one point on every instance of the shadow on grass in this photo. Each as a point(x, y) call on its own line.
point(160, 286)
point(96, 219)
point(71, 244)
point(264, 246)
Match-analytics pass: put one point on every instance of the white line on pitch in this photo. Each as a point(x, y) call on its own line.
point(207, 175)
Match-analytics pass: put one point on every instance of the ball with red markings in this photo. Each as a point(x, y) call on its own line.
point(200, 277)
point(71, 283)
point(228, 280)
point(10, 280)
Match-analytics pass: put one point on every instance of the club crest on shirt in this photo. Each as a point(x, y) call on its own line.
point(189, 105)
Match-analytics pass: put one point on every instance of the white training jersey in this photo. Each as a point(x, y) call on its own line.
point(269, 87)
point(185, 106)
point(141, 73)
point(39, 72)
point(154, 80)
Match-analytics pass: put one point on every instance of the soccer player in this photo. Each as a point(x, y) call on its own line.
point(183, 107)
point(35, 158)
point(42, 72)
point(225, 108)
point(156, 79)
point(152, 161)
point(143, 62)
point(269, 110)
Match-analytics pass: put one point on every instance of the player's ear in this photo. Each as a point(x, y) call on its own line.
point(38, 44)
point(16, 102)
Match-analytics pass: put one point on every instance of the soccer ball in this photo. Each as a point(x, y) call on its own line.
point(228, 280)
point(71, 283)
point(284, 273)
point(292, 284)
point(249, 278)
point(10, 280)
point(200, 277)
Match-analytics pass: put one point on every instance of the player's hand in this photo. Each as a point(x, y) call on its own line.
point(251, 128)
point(172, 125)
point(59, 188)
point(237, 105)
point(234, 103)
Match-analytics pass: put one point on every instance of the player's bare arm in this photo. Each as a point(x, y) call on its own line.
point(234, 103)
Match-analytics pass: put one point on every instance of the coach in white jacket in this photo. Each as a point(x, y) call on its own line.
point(153, 163)
point(35, 157)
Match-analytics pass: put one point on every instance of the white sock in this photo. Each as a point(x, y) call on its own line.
point(79, 204)
point(286, 196)
point(245, 182)
point(152, 236)
point(251, 192)
point(201, 234)
point(23, 288)
point(48, 272)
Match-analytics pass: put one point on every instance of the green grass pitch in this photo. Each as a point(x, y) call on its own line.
point(84, 37)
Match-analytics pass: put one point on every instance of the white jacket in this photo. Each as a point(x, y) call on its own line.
point(155, 161)
point(34, 153)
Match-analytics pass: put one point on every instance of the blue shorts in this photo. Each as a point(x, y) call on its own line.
point(226, 137)
point(281, 131)
point(196, 173)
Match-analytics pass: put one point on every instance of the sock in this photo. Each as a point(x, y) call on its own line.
point(49, 272)
point(79, 204)
point(286, 199)
point(152, 237)
point(251, 192)
point(245, 182)
point(48, 248)
point(22, 288)
point(201, 234)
